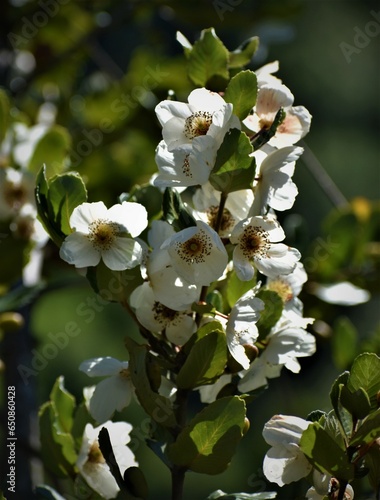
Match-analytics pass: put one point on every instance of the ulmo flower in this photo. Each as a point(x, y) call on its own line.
point(256, 240)
point(107, 234)
point(91, 463)
point(206, 116)
point(112, 393)
point(285, 462)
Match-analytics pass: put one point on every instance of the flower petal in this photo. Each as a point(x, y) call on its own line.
point(112, 393)
point(78, 250)
point(100, 367)
point(133, 216)
point(86, 213)
point(125, 253)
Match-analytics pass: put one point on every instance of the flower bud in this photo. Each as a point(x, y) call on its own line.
point(11, 321)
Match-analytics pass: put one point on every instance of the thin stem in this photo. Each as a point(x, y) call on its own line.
point(178, 480)
point(319, 173)
point(219, 217)
point(342, 489)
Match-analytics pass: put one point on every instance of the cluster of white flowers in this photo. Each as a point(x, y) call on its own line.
point(18, 209)
point(285, 463)
point(177, 266)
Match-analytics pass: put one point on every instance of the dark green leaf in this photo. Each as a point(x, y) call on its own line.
point(157, 406)
point(109, 456)
point(175, 212)
point(19, 297)
point(244, 53)
point(242, 93)
point(368, 431)
point(205, 363)
point(208, 443)
point(46, 492)
point(207, 59)
point(325, 454)
point(266, 134)
point(336, 388)
point(135, 483)
point(357, 403)
point(66, 192)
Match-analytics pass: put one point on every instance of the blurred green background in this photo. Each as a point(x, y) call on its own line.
point(91, 62)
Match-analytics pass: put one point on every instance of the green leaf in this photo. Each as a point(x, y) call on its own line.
point(215, 299)
point(266, 134)
point(236, 288)
point(271, 312)
point(365, 374)
point(64, 404)
point(19, 297)
point(336, 388)
point(243, 54)
point(208, 59)
point(175, 212)
point(205, 363)
point(234, 169)
point(357, 403)
point(45, 210)
point(51, 150)
point(372, 461)
point(57, 448)
point(368, 431)
point(113, 286)
point(155, 405)
point(4, 114)
point(242, 93)
point(344, 342)
point(208, 443)
point(66, 192)
point(135, 482)
point(325, 454)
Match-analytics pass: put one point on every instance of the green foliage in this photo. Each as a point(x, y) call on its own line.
point(208, 443)
point(156, 406)
point(55, 420)
point(242, 56)
point(4, 114)
point(344, 342)
point(242, 92)
point(174, 211)
point(234, 169)
point(56, 198)
point(51, 150)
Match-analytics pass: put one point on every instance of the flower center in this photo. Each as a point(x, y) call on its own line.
point(164, 315)
point(186, 167)
point(254, 242)
point(102, 233)
point(124, 373)
point(15, 195)
point(283, 289)
point(95, 455)
point(194, 250)
point(197, 124)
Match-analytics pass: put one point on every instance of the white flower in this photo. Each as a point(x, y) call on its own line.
point(323, 485)
point(91, 463)
point(285, 462)
point(288, 288)
point(271, 97)
point(273, 185)
point(156, 317)
point(114, 392)
point(265, 74)
point(206, 202)
point(16, 190)
point(343, 293)
point(241, 326)
point(187, 165)
point(285, 343)
point(197, 253)
point(101, 233)
point(206, 115)
point(168, 288)
point(256, 240)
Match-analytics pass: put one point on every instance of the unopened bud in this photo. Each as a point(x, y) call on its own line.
point(247, 425)
point(251, 351)
point(11, 321)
